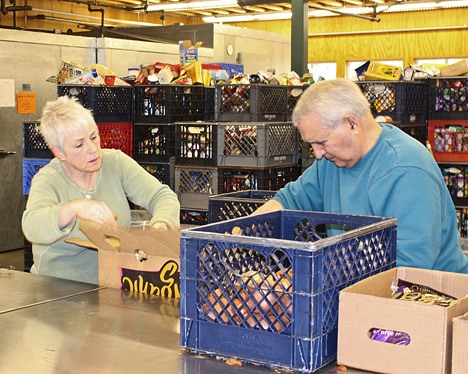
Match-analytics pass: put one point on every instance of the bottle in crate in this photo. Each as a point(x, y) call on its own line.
point(196, 143)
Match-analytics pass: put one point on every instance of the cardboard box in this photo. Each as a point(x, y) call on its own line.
point(188, 52)
point(454, 70)
point(378, 71)
point(165, 75)
point(368, 304)
point(136, 258)
point(460, 345)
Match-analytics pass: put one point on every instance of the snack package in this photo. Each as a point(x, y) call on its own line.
point(415, 292)
point(389, 336)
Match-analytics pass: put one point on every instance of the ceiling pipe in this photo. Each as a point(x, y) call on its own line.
point(111, 6)
point(12, 8)
point(102, 17)
point(113, 20)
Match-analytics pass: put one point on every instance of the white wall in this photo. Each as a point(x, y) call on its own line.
point(258, 50)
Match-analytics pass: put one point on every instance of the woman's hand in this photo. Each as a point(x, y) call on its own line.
point(86, 209)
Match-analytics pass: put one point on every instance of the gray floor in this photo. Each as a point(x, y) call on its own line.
point(13, 258)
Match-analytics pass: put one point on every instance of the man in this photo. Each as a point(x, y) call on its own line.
point(368, 168)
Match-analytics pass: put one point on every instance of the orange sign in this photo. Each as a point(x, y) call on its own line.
point(26, 102)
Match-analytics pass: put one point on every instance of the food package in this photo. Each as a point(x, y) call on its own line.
point(194, 72)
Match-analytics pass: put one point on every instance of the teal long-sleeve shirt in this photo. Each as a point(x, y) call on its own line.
point(119, 180)
point(397, 178)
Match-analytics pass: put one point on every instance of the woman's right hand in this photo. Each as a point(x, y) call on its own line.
point(86, 209)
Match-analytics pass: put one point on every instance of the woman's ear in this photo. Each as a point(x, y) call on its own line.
point(57, 153)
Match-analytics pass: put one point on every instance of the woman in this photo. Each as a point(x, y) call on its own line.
point(85, 182)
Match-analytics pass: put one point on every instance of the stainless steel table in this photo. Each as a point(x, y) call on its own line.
point(19, 289)
point(99, 330)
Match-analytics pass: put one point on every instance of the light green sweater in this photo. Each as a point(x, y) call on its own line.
point(119, 178)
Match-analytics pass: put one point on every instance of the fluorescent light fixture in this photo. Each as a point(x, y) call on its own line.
point(195, 5)
point(348, 10)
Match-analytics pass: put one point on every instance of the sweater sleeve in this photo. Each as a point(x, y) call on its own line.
point(40, 219)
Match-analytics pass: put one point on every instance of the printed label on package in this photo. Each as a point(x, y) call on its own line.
point(164, 282)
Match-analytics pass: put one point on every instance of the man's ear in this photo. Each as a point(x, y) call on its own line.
point(57, 153)
point(351, 122)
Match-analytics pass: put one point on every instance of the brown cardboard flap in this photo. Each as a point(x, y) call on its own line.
point(153, 242)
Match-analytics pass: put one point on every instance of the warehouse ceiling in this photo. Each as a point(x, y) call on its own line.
point(224, 8)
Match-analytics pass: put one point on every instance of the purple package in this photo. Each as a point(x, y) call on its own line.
point(389, 336)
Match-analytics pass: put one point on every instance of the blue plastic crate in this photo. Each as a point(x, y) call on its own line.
point(236, 204)
point(30, 167)
point(269, 295)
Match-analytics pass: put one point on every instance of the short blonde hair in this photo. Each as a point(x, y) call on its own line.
point(61, 116)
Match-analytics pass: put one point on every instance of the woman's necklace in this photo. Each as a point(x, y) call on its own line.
point(86, 187)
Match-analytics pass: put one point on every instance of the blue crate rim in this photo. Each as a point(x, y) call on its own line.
point(198, 233)
point(253, 361)
point(231, 196)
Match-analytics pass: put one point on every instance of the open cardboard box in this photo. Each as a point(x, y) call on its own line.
point(368, 304)
point(460, 345)
point(137, 258)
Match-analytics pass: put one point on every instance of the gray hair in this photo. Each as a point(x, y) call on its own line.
point(331, 101)
point(62, 116)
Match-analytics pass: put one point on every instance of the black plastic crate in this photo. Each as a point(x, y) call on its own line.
point(196, 143)
point(404, 101)
point(251, 102)
point(417, 131)
point(236, 204)
point(210, 103)
point(251, 144)
point(294, 93)
point(268, 179)
point(153, 142)
point(448, 98)
point(162, 171)
point(193, 217)
point(456, 180)
point(270, 295)
point(34, 145)
point(107, 103)
point(308, 156)
point(169, 103)
point(28, 256)
point(462, 215)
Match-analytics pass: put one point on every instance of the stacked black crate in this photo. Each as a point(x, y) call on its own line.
point(157, 109)
point(448, 136)
point(405, 102)
point(257, 148)
point(196, 173)
point(306, 153)
point(36, 155)
point(112, 110)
